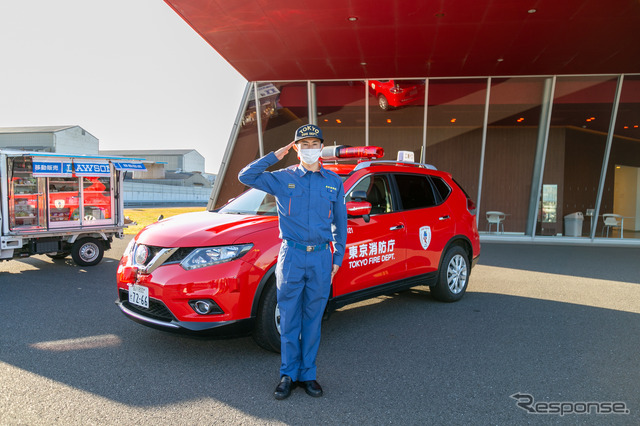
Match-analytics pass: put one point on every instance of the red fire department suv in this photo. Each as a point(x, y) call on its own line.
point(212, 272)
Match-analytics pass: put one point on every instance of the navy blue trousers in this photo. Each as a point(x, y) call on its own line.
point(304, 282)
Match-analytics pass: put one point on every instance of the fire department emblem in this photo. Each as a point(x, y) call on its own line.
point(425, 236)
point(59, 204)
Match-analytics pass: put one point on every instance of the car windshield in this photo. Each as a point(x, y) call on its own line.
point(253, 201)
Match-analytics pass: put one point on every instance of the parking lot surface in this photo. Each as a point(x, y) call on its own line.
point(552, 324)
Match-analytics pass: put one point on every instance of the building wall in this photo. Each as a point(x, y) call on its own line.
point(135, 193)
point(193, 162)
point(27, 141)
point(75, 140)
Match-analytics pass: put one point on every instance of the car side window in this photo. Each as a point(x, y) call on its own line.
point(416, 191)
point(378, 193)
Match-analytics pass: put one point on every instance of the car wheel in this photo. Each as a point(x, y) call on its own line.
point(267, 330)
point(383, 103)
point(87, 251)
point(453, 276)
point(58, 255)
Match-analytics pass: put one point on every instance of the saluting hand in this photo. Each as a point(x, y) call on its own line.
point(284, 150)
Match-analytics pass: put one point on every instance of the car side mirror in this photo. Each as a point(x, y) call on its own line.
point(359, 206)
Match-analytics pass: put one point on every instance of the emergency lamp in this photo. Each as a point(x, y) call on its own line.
point(343, 152)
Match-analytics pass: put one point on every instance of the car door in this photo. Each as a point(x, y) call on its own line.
point(428, 221)
point(375, 249)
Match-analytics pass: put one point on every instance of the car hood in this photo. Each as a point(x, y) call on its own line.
point(200, 229)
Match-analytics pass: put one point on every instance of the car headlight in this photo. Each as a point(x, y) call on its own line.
point(207, 256)
point(141, 255)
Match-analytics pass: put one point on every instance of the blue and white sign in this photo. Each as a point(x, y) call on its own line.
point(91, 168)
point(129, 165)
point(51, 168)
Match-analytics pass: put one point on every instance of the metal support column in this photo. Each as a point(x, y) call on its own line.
point(607, 152)
point(312, 106)
point(366, 112)
point(423, 153)
point(541, 153)
point(258, 118)
point(485, 121)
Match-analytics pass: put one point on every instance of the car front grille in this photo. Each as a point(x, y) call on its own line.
point(157, 310)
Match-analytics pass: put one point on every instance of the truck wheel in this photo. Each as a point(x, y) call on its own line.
point(87, 251)
point(58, 255)
point(453, 276)
point(267, 330)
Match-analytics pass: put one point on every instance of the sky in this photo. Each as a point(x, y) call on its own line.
point(130, 72)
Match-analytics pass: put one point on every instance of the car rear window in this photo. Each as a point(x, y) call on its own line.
point(441, 186)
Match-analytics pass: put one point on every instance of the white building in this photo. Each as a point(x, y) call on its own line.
point(64, 139)
point(182, 160)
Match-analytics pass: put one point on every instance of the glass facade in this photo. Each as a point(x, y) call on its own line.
point(547, 157)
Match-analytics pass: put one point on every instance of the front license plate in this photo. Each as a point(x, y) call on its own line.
point(139, 295)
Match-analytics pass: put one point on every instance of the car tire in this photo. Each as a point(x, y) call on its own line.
point(58, 255)
point(383, 103)
point(453, 276)
point(87, 251)
point(266, 333)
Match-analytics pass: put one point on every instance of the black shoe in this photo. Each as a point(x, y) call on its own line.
point(311, 387)
point(283, 390)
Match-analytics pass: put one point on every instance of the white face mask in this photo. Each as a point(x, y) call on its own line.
point(310, 156)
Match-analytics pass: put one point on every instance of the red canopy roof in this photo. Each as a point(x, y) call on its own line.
point(356, 39)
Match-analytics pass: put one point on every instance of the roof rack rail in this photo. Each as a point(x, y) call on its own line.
point(364, 164)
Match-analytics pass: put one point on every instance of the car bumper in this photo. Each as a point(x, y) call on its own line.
point(199, 328)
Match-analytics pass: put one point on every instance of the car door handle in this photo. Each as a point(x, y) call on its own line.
point(397, 227)
point(444, 218)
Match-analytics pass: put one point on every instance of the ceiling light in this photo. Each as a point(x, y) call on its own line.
point(500, 59)
point(352, 18)
point(453, 120)
point(338, 121)
point(363, 63)
point(389, 120)
point(531, 11)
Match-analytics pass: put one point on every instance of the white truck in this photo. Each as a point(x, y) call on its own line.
point(61, 204)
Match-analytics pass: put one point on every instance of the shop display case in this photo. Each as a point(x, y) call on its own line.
point(26, 203)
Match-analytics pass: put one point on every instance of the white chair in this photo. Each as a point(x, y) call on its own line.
point(496, 218)
point(612, 221)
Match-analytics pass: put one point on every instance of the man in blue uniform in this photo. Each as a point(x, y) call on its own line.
point(312, 214)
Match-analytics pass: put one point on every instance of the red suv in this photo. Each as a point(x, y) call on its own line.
point(212, 272)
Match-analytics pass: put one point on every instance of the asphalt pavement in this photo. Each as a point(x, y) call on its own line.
point(541, 328)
